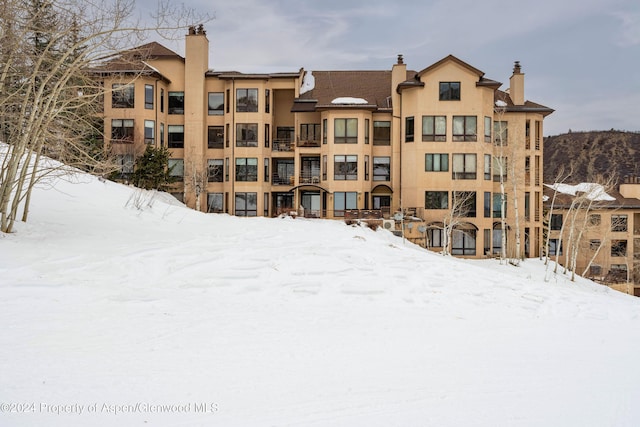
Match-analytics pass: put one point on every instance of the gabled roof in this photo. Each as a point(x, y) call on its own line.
point(451, 58)
point(133, 61)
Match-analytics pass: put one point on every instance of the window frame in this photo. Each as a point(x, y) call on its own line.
point(211, 101)
point(218, 137)
point(381, 137)
point(466, 173)
point(348, 165)
point(450, 91)
point(249, 95)
point(246, 134)
point(175, 100)
point(430, 131)
point(246, 169)
point(215, 170)
point(123, 95)
point(344, 134)
point(465, 136)
point(172, 142)
point(436, 199)
point(377, 176)
point(436, 166)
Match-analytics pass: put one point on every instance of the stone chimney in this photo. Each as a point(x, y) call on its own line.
point(516, 83)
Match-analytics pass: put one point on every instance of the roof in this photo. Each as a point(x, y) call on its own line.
point(528, 107)
point(563, 201)
point(451, 58)
point(373, 86)
point(134, 60)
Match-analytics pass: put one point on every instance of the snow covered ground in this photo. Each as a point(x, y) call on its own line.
point(120, 307)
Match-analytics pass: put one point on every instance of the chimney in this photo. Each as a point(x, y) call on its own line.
point(398, 75)
point(516, 83)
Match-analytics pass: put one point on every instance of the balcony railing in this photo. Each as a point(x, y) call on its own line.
point(308, 143)
point(282, 180)
point(283, 145)
point(308, 177)
point(360, 213)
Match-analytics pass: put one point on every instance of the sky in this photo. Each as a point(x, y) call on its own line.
point(117, 302)
point(580, 57)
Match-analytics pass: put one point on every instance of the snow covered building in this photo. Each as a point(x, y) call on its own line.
point(596, 232)
point(340, 144)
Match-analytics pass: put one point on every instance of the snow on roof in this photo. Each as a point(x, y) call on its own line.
point(592, 190)
point(349, 100)
point(308, 82)
point(501, 103)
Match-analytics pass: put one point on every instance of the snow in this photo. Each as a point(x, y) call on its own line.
point(116, 301)
point(501, 103)
point(308, 82)
point(593, 191)
point(349, 100)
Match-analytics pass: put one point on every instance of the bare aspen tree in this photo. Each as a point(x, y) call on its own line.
point(50, 91)
point(461, 202)
point(500, 163)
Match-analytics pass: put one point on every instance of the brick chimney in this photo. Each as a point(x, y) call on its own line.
point(516, 83)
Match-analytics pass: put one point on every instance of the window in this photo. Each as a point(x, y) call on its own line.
point(463, 241)
point(366, 131)
point(176, 136)
point(527, 206)
point(149, 131)
point(464, 166)
point(246, 204)
point(226, 135)
point(176, 102)
point(487, 129)
point(618, 223)
point(500, 131)
point(499, 169)
point(487, 204)
point(309, 133)
point(436, 162)
point(216, 103)
point(497, 205)
point(215, 203)
point(228, 100)
point(553, 247)
point(487, 167)
point(381, 133)
point(465, 128)
point(436, 200)
point(382, 169)
point(343, 201)
point(345, 131)
point(266, 169)
point(436, 237)
point(618, 248)
point(434, 128)
point(366, 167)
point(464, 203)
point(247, 169)
point(408, 129)
point(148, 97)
point(594, 219)
point(226, 168)
point(161, 134)
point(594, 244)
point(449, 91)
point(324, 167)
point(324, 131)
point(162, 100)
point(595, 270)
point(267, 135)
point(267, 100)
point(246, 135)
point(216, 170)
point(618, 272)
point(247, 100)
point(345, 168)
point(122, 96)
point(215, 137)
point(176, 168)
point(122, 130)
point(126, 163)
point(556, 221)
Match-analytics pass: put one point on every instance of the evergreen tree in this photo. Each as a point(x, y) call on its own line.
point(151, 171)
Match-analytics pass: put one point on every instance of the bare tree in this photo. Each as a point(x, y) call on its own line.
point(462, 203)
point(49, 90)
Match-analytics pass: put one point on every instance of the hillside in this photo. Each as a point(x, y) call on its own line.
point(123, 308)
point(592, 153)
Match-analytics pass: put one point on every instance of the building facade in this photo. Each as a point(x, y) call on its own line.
point(605, 233)
point(404, 147)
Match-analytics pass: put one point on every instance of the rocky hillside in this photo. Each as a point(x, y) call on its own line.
point(592, 153)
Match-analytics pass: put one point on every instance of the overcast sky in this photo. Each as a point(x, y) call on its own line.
point(580, 57)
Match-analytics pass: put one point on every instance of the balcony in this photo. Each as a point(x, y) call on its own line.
point(308, 177)
point(277, 179)
point(308, 143)
point(283, 145)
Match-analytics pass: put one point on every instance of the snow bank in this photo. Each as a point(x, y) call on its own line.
point(592, 191)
